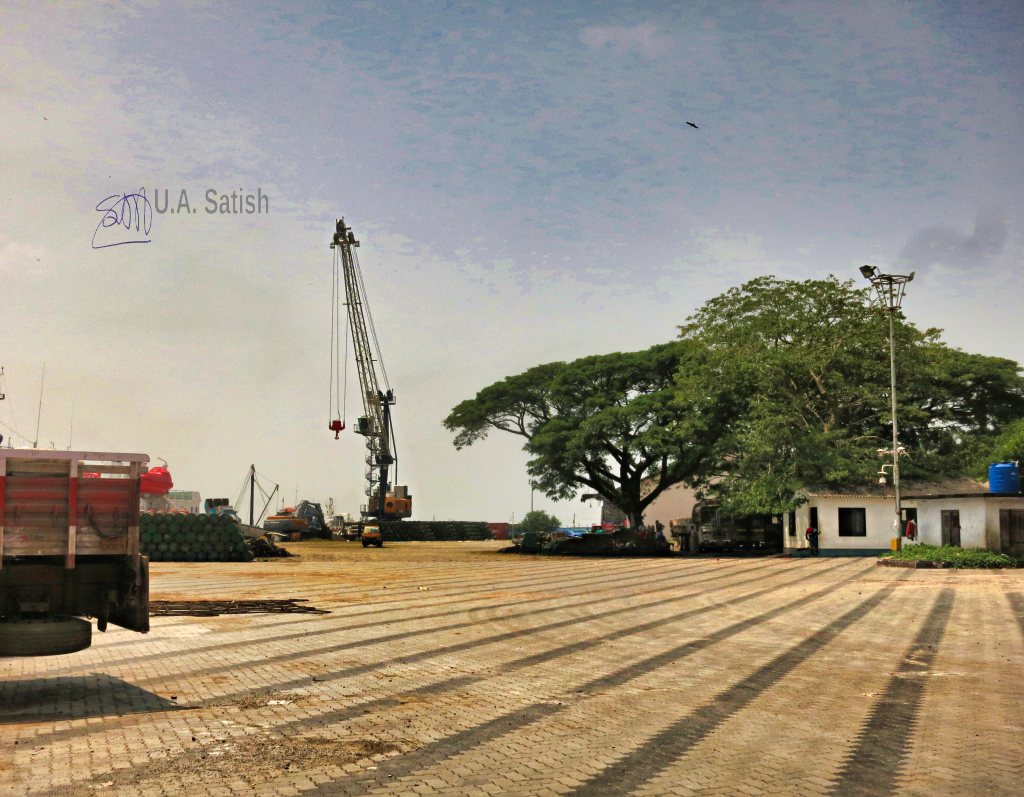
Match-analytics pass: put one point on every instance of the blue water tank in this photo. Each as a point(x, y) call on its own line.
point(1004, 477)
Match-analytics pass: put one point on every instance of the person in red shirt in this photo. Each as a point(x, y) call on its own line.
point(812, 535)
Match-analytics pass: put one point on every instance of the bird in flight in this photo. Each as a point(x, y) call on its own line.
point(691, 124)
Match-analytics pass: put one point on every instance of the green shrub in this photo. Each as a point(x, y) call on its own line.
point(953, 556)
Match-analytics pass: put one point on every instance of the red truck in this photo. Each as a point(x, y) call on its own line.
point(69, 549)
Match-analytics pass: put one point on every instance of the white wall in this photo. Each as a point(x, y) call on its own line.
point(878, 515)
point(992, 507)
point(979, 521)
point(972, 520)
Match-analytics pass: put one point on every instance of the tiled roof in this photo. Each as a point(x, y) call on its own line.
point(908, 489)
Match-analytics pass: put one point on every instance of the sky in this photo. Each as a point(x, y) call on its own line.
point(524, 186)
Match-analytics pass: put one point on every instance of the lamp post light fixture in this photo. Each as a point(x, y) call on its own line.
point(890, 289)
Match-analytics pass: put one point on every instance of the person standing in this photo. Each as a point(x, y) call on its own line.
point(812, 535)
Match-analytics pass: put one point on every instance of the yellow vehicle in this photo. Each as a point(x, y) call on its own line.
point(371, 536)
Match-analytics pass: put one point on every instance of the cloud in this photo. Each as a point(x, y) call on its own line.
point(945, 246)
point(643, 38)
point(16, 257)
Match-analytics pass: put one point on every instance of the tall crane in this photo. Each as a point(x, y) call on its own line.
point(375, 423)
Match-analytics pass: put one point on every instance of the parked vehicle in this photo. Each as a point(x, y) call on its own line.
point(306, 519)
point(719, 531)
point(371, 535)
point(220, 506)
point(343, 527)
point(69, 549)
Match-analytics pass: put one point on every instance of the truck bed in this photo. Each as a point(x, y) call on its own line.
point(68, 504)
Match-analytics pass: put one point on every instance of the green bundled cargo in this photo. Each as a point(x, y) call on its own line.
point(173, 537)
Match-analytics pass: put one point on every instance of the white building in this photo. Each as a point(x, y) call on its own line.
point(954, 512)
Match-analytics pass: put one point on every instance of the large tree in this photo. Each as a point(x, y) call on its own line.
point(601, 424)
point(801, 369)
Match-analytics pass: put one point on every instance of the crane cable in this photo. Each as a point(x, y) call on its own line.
point(339, 367)
point(334, 338)
point(369, 320)
point(344, 379)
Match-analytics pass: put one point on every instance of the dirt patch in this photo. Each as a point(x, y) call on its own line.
point(261, 699)
point(255, 759)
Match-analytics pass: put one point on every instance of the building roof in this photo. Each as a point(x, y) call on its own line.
point(943, 488)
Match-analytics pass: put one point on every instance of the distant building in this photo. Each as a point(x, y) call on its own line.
point(860, 521)
point(675, 504)
point(611, 514)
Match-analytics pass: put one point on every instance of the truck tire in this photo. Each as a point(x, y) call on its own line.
point(48, 636)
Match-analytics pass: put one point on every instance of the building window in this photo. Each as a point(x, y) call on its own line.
point(792, 524)
point(852, 522)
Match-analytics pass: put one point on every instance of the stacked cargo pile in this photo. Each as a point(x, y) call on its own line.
point(431, 530)
point(265, 547)
point(181, 537)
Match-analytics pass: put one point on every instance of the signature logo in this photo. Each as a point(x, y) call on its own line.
point(127, 219)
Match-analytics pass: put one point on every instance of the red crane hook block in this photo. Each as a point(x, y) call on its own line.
point(336, 426)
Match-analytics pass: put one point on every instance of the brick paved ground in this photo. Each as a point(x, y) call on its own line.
point(450, 669)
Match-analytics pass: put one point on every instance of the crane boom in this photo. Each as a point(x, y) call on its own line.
point(375, 424)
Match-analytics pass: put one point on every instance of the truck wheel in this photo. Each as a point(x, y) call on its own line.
point(48, 636)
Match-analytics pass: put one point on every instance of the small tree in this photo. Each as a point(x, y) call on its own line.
point(540, 522)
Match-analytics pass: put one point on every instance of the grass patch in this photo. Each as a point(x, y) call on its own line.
point(952, 556)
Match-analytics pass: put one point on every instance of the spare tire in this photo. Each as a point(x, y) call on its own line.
point(47, 636)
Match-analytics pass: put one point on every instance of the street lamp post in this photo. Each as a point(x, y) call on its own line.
point(890, 289)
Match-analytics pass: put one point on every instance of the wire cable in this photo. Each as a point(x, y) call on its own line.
point(369, 320)
point(344, 365)
point(334, 336)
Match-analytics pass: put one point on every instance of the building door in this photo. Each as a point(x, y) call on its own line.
point(1011, 532)
point(951, 527)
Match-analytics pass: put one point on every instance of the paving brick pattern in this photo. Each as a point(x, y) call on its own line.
point(449, 668)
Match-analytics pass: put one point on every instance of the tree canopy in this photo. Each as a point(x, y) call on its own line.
point(1007, 446)
point(774, 386)
point(801, 371)
point(601, 424)
point(539, 521)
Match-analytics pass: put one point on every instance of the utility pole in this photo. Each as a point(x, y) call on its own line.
point(39, 414)
point(252, 493)
point(890, 289)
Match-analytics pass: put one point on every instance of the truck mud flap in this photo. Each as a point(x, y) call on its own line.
point(133, 613)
